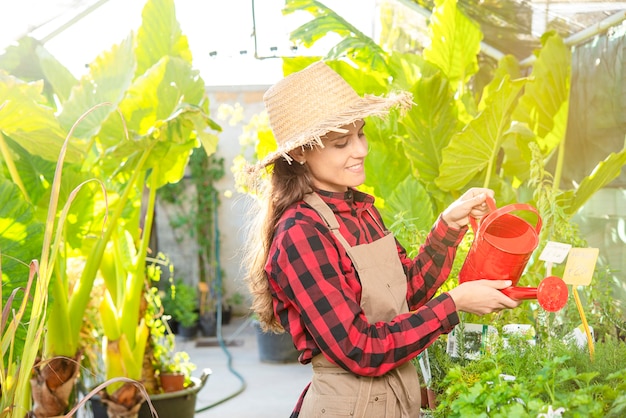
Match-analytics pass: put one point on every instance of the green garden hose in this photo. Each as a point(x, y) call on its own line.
point(220, 338)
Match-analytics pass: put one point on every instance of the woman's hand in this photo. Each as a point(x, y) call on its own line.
point(472, 203)
point(481, 297)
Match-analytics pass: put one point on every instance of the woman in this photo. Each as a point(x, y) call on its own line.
point(324, 268)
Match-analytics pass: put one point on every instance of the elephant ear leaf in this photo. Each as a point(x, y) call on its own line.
point(109, 76)
point(42, 135)
point(474, 150)
point(455, 42)
point(20, 233)
point(548, 94)
point(21, 237)
point(408, 212)
point(159, 35)
point(354, 44)
point(430, 125)
point(385, 171)
point(605, 172)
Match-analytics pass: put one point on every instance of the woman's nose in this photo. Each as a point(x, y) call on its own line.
point(359, 146)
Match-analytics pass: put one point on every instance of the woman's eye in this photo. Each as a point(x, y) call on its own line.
point(341, 144)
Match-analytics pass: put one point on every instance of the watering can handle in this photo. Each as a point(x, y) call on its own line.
point(492, 208)
point(505, 209)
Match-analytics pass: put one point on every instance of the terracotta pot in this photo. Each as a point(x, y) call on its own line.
point(429, 398)
point(172, 382)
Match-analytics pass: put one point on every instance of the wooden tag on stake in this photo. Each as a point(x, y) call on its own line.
point(555, 252)
point(581, 263)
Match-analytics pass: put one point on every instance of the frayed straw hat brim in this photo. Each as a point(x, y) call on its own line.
point(306, 105)
point(369, 105)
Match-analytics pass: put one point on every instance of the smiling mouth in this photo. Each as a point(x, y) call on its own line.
point(355, 167)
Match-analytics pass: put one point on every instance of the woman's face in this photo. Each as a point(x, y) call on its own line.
point(339, 164)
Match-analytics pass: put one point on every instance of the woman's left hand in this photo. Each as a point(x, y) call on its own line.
point(472, 203)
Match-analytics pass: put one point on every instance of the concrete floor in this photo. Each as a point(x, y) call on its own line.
point(271, 390)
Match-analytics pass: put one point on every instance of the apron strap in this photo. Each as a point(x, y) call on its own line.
point(315, 201)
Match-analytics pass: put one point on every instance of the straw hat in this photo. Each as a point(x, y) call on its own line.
point(306, 105)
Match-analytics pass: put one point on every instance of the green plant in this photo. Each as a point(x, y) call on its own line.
point(147, 110)
point(525, 380)
point(14, 386)
point(166, 359)
point(234, 300)
point(177, 362)
point(181, 302)
point(161, 351)
point(195, 215)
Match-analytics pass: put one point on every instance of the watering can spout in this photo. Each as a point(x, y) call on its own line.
point(551, 294)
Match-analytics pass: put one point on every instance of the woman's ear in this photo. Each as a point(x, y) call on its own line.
point(298, 155)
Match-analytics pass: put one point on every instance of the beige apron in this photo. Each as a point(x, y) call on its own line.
point(335, 392)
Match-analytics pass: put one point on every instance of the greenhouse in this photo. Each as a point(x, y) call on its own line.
point(139, 141)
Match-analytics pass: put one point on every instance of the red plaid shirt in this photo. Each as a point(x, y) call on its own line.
point(310, 274)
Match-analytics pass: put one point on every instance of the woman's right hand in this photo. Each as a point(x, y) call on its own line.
point(481, 297)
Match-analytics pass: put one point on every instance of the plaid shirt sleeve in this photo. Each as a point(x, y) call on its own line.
point(431, 267)
point(317, 294)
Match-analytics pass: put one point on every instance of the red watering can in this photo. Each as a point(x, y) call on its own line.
point(503, 244)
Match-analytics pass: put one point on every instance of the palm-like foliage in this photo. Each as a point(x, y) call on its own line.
point(143, 110)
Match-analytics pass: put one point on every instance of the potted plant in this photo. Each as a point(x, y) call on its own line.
point(175, 371)
point(229, 306)
point(173, 367)
point(181, 303)
point(175, 394)
point(111, 214)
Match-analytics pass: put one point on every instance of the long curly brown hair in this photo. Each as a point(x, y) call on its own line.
point(288, 183)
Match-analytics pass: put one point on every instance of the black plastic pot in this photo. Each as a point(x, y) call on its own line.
point(188, 332)
point(227, 314)
point(208, 325)
point(275, 348)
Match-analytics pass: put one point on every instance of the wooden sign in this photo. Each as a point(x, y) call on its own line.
point(581, 263)
point(555, 252)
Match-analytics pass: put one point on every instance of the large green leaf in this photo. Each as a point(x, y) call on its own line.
point(384, 170)
point(20, 233)
point(354, 44)
point(408, 212)
point(35, 174)
point(548, 92)
point(41, 135)
point(30, 61)
point(475, 149)
point(159, 93)
point(361, 49)
point(455, 42)
point(159, 36)
point(369, 82)
point(313, 31)
point(164, 114)
point(408, 69)
point(605, 172)
point(20, 243)
point(109, 76)
point(56, 74)
point(430, 124)
point(517, 155)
